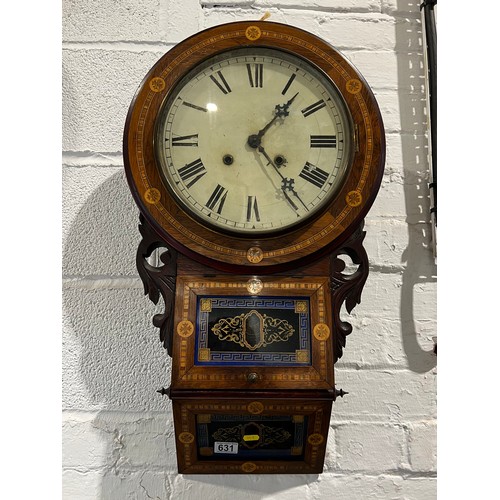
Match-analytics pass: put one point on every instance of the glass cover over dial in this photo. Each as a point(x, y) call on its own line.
point(253, 141)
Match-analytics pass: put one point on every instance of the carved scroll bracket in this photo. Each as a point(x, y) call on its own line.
point(347, 287)
point(158, 279)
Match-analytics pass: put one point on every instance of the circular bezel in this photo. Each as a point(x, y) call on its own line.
point(340, 107)
point(284, 250)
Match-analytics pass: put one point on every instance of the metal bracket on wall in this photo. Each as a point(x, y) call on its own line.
point(430, 61)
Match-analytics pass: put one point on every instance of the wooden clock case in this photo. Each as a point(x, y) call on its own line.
point(253, 341)
point(293, 392)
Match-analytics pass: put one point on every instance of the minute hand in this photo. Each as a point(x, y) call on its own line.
point(286, 183)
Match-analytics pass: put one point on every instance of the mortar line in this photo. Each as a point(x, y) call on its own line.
point(101, 282)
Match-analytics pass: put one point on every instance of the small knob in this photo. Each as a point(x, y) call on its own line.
point(252, 377)
point(340, 392)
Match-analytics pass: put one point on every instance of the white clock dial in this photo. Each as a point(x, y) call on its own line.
point(253, 141)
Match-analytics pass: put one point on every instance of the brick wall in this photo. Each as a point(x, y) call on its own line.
point(117, 432)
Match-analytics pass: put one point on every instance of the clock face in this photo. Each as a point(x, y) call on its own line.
point(253, 141)
point(254, 145)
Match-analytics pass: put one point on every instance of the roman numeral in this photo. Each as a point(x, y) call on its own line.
point(194, 106)
point(287, 86)
point(220, 81)
point(323, 141)
point(313, 108)
point(184, 140)
point(252, 209)
point(314, 174)
point(255, 77)
point(192, 172)
point(217, 199)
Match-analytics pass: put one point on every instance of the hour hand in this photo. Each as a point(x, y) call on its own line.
point(281, 110)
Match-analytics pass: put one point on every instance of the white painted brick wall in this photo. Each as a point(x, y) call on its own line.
point(117, 432)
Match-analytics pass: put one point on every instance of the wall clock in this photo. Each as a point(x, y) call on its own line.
point(254, 151)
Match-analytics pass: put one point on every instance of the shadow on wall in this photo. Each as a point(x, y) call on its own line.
point(110, 317)
point(115, 361)
point(420, 270)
